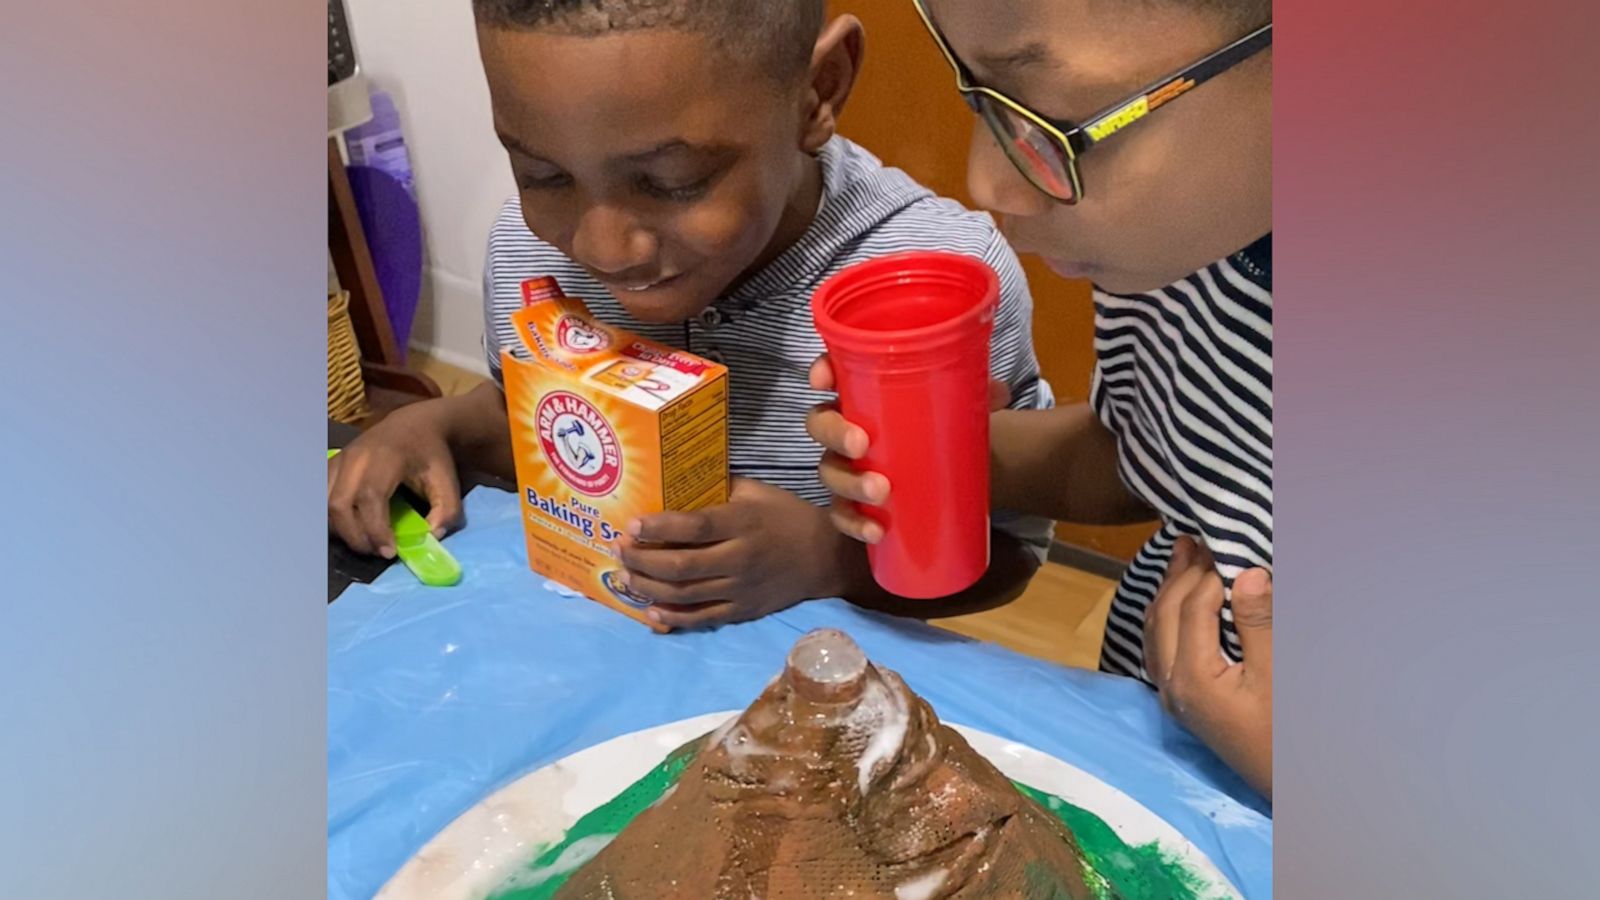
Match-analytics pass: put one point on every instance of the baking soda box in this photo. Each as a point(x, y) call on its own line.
point(607, 427)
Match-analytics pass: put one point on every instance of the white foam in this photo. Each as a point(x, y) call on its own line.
point(492, 840)
point(577, 854)
point(886, 713)
point(923, 887)
point(741, 745)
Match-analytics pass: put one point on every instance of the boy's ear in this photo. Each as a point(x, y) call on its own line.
point(835, 63)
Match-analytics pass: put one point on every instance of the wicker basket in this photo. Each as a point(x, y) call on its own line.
point(347, 392)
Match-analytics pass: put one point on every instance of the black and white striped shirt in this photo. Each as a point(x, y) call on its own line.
point(763, 330)
point(1183, 378)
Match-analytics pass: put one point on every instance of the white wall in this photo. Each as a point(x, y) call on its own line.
point(425, 54)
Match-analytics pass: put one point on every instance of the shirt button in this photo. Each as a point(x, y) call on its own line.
point(711, 317)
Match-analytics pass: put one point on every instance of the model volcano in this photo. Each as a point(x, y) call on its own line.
point(837, 782)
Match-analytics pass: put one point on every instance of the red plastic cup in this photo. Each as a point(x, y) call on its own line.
point(908, 335)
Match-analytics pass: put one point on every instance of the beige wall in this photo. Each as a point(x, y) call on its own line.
point(425, 54)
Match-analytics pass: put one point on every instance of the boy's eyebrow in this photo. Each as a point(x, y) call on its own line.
point(1008, 68)
point(1006, 62)
point(662, 149)
point(673, 146)
point(511, 143)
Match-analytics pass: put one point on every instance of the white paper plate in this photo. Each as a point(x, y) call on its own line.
point(478, 851)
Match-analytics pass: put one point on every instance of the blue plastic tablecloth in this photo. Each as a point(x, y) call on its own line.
point(437, 698)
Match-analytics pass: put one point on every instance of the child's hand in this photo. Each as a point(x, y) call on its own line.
point(763, 551)
point(408, 447)
point(1227, 705)
point(845, 443)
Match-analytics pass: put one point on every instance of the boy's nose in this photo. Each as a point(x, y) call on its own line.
point(994, 181)
point(613, 242)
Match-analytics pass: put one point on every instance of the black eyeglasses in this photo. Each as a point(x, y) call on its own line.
point(1046, 150)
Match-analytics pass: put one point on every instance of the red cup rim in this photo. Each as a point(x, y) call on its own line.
point(906, 265)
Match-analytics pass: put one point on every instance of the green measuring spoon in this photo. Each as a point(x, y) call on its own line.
point(416, 546)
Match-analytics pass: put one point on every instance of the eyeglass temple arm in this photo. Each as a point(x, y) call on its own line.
point(1104, 124)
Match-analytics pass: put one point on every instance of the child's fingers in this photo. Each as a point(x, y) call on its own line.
point(705, 526)
point(999, 395)
point(342, 506)
point(1252, 616)
point(829, 428)
point(440, 486)
point(704, 616)
point(1188, 568)
point(853, 524)
point(1181, 559)
point(1160, 638)
point(361, 519)
point(342, 521)
point(372, 516)
point(1178, 561)
point(841, 478)
point(1184, 571)
point(678, 593)
point(676, 566)
point(342, 510)
point(1199, 651)
point(822, 374)
point(358, 503)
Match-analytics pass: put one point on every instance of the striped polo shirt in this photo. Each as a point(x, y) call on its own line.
point(762, 329)
point(1183, 378)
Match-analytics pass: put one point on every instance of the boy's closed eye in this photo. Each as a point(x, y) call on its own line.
point(674, 172)
point(679, 189)
point(676, 191)
point(557, 181)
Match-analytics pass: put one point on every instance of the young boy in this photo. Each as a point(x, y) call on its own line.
point(678, 170)
point(1172, 220)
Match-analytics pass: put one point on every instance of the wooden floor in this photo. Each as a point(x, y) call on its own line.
point(1060, 618)
point(451, 379)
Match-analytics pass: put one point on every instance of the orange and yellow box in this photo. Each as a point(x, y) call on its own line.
point(607, 427)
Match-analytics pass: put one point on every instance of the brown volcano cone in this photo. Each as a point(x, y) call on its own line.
point(837, 782)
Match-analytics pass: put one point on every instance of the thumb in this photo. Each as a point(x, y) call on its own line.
point(1252, 616)
point(999, 395)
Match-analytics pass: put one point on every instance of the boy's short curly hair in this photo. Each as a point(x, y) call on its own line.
point(777, 34)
